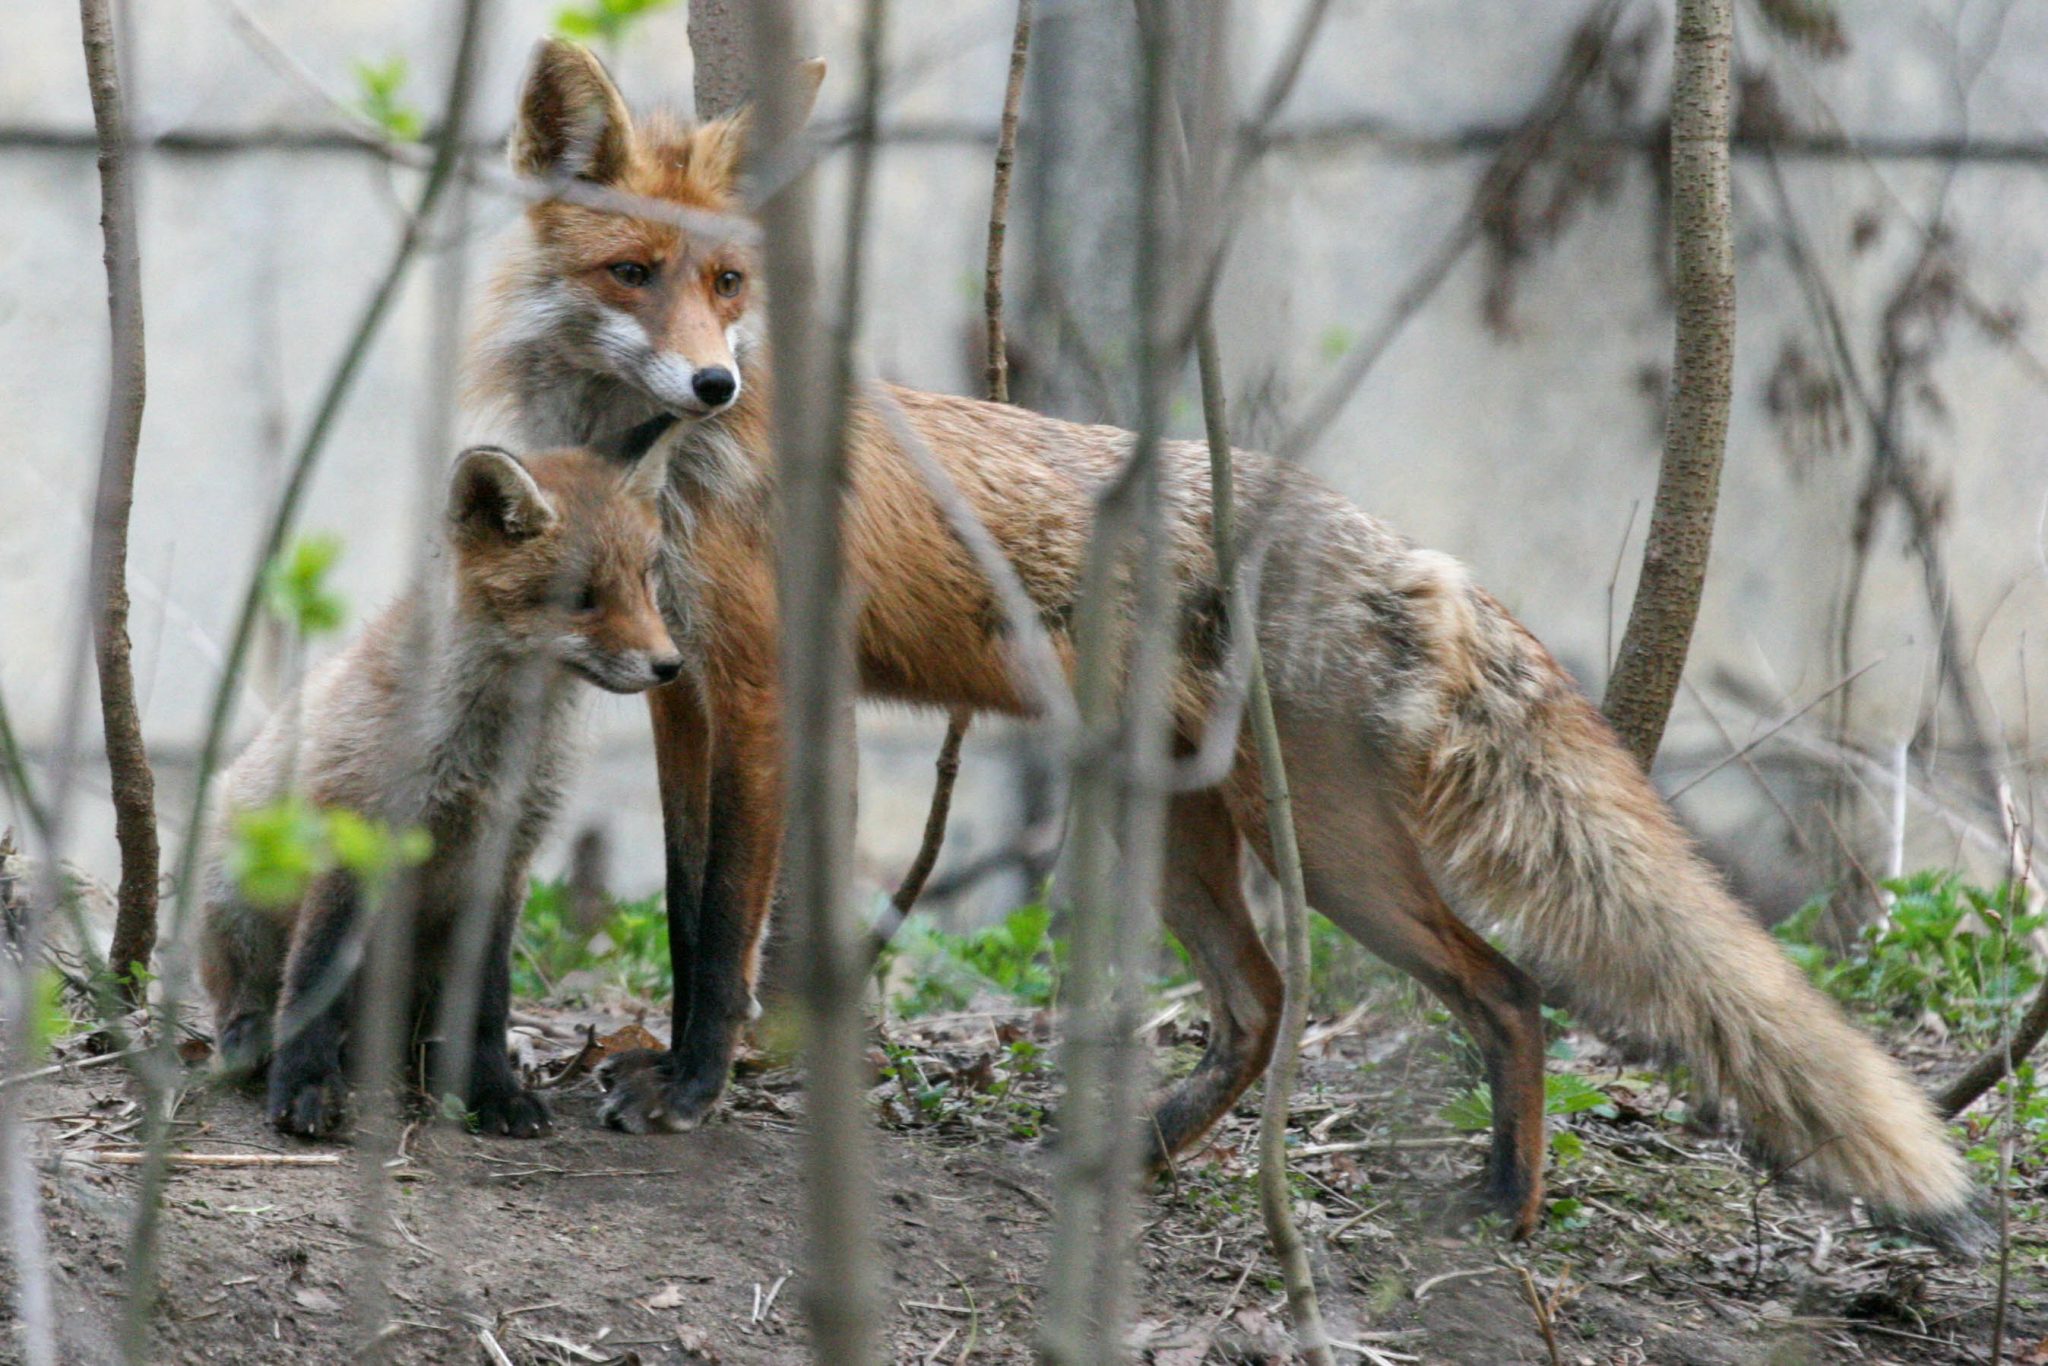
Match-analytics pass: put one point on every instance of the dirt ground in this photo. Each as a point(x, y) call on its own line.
point(593, 1246)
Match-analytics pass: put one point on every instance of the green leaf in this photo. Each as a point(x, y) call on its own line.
point(296, 590)
point(275, 851)
point(50, 1019)
point(604, 20)
point(1472, 1112)
point(377, 98)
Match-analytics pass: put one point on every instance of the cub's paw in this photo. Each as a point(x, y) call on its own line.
point(510, 1111)
point(645, 1094)
point(313, 1107)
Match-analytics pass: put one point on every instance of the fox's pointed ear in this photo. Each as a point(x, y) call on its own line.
point(493, 494)
point(572, 119)
point(634, 451)
point(716, 149)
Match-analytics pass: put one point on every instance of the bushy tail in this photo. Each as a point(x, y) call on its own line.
point(1533, 812)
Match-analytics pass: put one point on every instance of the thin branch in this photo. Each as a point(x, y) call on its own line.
point(1495, 183)
point(810, 401)
point(997, 359)
point(1275, 1198)
point(1217, 751)
point(1035, 663)
point(1823, 695)
point(133, 785)
point(737, 228)
point(919, 872)
point(1124, 644)
point(14, 773)
point(2025, 1036)
point(997, 374)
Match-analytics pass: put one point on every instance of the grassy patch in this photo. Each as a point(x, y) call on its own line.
point(1957, 951)
point(1016, 959)
point(628, 949)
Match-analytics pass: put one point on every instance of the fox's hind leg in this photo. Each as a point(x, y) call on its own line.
point(1366, 874)
point(1203, 904)
point(241, 961)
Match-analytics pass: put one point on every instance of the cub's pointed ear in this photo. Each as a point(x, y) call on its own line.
point(572, 119)
point(492, 494)
point(635, 450)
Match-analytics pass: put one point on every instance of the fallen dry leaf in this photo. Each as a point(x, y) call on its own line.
point(624, 1040)
point(670, 1296)
point(696, 1344)
point(314, 1300)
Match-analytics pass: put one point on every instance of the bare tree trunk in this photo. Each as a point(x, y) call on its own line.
point(134, 789)
point(718, 53)
point(813, 377)
point(1667, 601)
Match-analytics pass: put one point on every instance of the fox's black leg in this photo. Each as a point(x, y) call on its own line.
point(501, 1105)
point(723, 835)
point(308, 1092)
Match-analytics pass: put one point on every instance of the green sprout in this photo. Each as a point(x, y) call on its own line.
point(603, 21)
point(378, 86)
point(277, 850)
point(295, 586)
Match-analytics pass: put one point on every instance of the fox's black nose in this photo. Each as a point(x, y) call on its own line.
point(666, 667)
point(715, 385)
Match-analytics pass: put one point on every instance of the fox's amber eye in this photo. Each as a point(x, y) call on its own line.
point(632, 274)
point(727, 283)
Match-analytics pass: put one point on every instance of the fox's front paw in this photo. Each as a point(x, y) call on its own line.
point(510, 1110)
point(649, 1091)
point(311, 1106)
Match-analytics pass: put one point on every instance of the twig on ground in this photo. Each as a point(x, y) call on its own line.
point(76, 1065)
point(492, 1349)
point(1544, 1310)
point(135, 1157)
point(1421, 1291)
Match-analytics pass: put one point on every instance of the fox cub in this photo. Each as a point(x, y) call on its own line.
point(450, 714)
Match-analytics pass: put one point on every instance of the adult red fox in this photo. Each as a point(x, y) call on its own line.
point(545, 583)
point(1432, 742)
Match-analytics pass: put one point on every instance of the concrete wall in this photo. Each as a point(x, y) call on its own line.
point(1523, 453)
